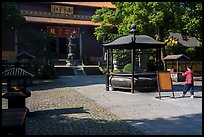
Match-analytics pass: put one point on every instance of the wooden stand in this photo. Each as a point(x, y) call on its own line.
point(164, 82)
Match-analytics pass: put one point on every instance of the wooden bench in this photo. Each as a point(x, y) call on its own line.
point(14, 121)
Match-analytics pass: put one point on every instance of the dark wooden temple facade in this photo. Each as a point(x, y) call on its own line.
point(61, 19)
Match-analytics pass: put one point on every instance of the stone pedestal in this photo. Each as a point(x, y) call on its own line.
point(16, 99)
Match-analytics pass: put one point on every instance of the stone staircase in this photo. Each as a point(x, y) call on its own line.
point(92, 70)
point(64, 71)
point(77, 70)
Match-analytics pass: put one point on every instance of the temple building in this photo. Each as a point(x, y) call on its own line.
point(62, 20)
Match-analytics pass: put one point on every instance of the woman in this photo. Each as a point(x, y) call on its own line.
point(189, 83)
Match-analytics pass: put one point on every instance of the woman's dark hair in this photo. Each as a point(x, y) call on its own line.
point(190, 67)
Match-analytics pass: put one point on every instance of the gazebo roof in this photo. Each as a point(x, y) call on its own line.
point(16, 72)
point(25, 55)
point(176, 57)
point(141, 42)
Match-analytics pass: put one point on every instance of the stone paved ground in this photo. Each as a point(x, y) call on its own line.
point(59, 110)
point(152, 116)
point(81, 106)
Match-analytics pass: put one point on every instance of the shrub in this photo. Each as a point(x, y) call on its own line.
point(127, 68)
point(115, 70)
point(46, 72)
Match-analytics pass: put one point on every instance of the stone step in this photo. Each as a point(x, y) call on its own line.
point(79, 71)
point(92, 70)
point(64, 71)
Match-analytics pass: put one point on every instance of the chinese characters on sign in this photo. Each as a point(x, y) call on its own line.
point(62, 9)
point(63, 31)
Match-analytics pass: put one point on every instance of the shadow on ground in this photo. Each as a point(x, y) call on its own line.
point(179, 125)
point(62, 122)
point(74, 121)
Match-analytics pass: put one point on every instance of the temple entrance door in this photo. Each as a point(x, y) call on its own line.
point(62, 48)
point(62, 35)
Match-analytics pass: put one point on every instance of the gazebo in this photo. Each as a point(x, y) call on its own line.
point(16, 86)
point(24, 55)
point(132, 42)
point(176, 75)
point(175, 58)
point(26, 60)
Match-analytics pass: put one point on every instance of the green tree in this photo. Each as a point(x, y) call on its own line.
point(175, 49)
point(108, 21)
point(192, 19)
point(11, 18)
point(35, 42)
point(155, 19)
point(30, 40)
point(194, 53)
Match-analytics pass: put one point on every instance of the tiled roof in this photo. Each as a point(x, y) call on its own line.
point(16, 73)
point(176, 57)
point(189, 42)
point(25, 55)
point(60, 21)
point(90, 4)
point(54, 15)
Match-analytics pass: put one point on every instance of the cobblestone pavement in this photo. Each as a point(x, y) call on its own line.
point(59, 110)
point(81, 106)
point(142, 110)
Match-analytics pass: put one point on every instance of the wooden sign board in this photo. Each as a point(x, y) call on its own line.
point(164, 82)
point(62, 9)
point(63, 31)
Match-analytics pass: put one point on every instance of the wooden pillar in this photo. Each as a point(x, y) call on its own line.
point(24, 83)
point(108, 73)
point(111, 60)
point(177, 66)
point(57, 46)
point(8, 85)
point(159, 59)
point(165, 66)
point(16, 41)
point(171, 64)
point(81, 47)
point(133, 70)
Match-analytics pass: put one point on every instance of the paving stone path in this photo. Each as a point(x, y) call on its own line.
point(80, 106)
point(59, 110)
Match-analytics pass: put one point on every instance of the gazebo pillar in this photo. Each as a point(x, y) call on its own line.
point(177, 66)
point(57, 47)
point(172, 64)
point(111, 60)
point(159, 59)
point(8, 84)
point(107, 73)
point(133, 70)
point(165, 66)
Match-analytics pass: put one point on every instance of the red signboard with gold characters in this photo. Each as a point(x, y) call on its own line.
point(63, 31)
